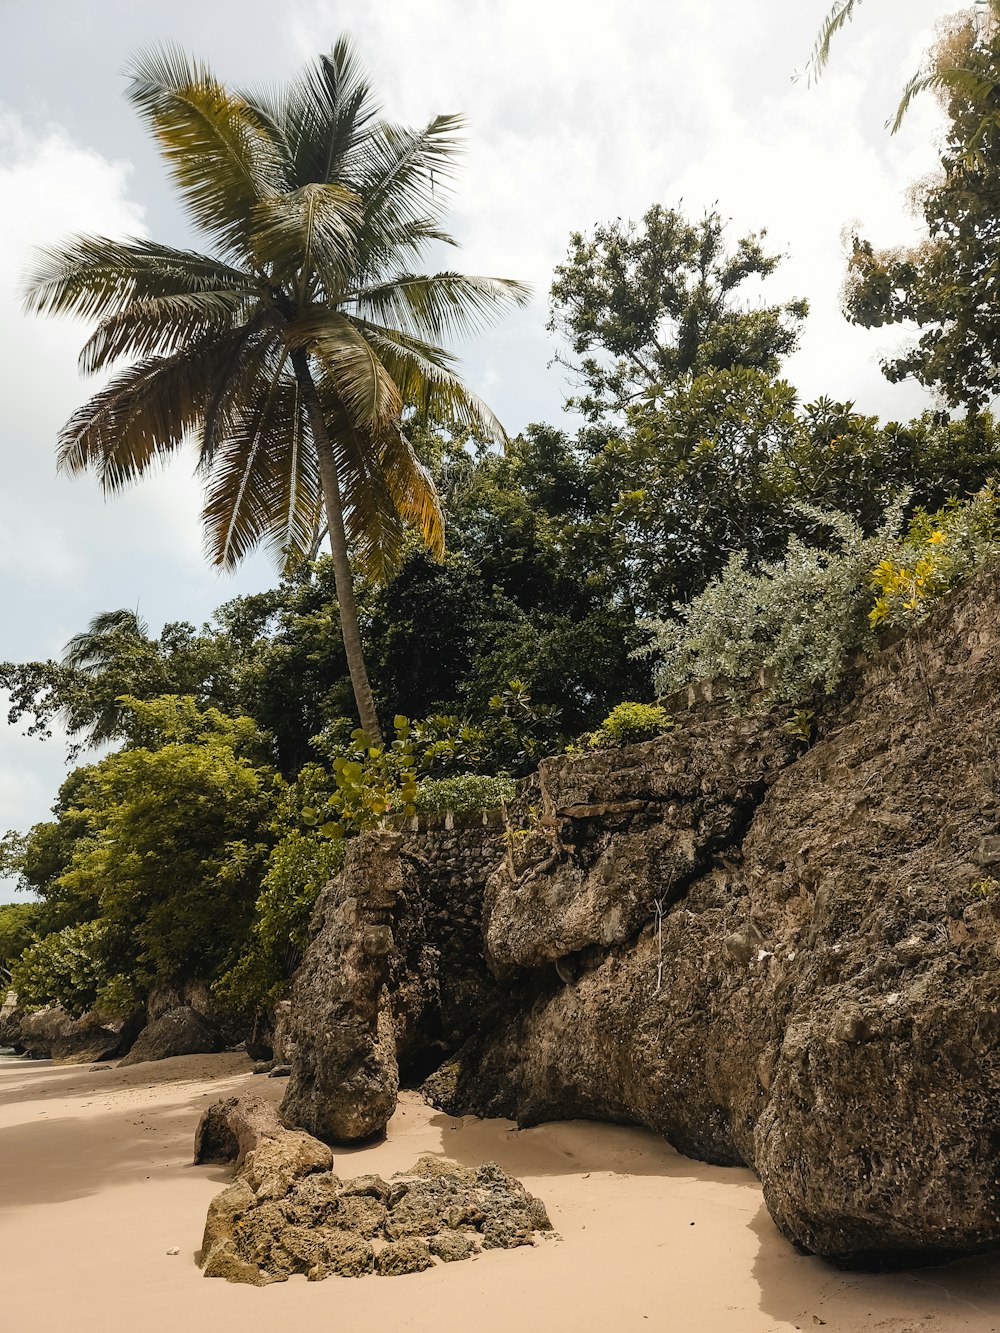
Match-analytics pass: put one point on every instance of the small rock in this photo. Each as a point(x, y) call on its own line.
point(403, 1256)
point(280, 1071)
point(174, 1249)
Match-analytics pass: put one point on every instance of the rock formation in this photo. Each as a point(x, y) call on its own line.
point(772, 954)
point(344, 1076)
point(286, 1212)
point(180, 1031)
point(54, 1034)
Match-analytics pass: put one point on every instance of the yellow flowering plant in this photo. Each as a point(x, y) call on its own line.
point(938, 550)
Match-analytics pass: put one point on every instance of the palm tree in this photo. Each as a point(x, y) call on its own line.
point(291, 352)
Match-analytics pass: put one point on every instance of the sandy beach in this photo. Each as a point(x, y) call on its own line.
point(97, 1186)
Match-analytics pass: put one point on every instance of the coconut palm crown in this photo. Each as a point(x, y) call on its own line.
point(290, 352)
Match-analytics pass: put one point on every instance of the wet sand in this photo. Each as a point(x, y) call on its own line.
point(96, 1186)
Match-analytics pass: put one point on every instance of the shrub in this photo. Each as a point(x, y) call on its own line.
point(300, 864)
point(792, 627)
point(470, 792)
point(17, 931)
point(629, 723)
point(68, 968)
point(938, 551)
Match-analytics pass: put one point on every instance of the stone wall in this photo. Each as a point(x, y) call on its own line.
point(439, 931)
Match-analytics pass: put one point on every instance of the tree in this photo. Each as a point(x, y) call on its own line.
point(158, 851)
point(645, 306)
point(948, 284)
point(291, 350)
point(115, 656)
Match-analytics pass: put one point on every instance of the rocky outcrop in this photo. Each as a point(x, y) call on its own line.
point(772, 954)
point(286, 1212)
point(54, 1034)
point(344, 1075)
point(11, 1017)
point(815, 991)
point(180, 1031)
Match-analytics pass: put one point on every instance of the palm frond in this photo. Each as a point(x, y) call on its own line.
point(382, 251)
point(246, 363)
point(965, 82)
point(838, 17)
point(405, 174)
point(220, 152)
point(264, 484)
point(323, 117)
point(309, 234)
point(87, 651)
point(161, 325)
point(143, 415)
point(428, 383)
point(412, 490)
point(442, 304)
point(367, 391)
point(94, 277)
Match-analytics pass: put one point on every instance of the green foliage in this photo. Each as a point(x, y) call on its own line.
point(158, 852)
point(17, 931)
point(466, 793)
point(946, 284)
point(938, 551)
point(69, 967)
point(787, 630)
point(645, 307)
point(300, 864)
point(791, 628)
point(628, 723)
point(369, 782)
point(801, 724)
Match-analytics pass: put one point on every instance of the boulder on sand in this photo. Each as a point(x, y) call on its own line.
point(180, 1031)
point(54, 1034)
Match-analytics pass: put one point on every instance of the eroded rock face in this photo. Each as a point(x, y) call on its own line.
point(180, 1031)
point(340, 1029)
point(820, 998)
point(53, 1034)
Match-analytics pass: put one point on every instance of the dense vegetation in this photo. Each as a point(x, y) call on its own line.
point(702, 521)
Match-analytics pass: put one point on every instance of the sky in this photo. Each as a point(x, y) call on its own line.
point(578, 113)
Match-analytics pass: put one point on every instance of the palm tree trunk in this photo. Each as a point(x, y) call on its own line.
point(343, 578)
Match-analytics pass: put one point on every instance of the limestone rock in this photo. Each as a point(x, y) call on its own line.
point(53, 1034)
point(180, 1031)
point(403, 1256)
point(780, 958)
point(344, 1075)
point(11, 1017)
point(318, 1225)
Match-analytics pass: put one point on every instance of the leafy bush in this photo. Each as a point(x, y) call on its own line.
point(470, 792)
point(792, 628)
point(629, 723)
point(300, 864)
point(66, 967)
point(17, 931)
point(368, 782)
point(938, 551)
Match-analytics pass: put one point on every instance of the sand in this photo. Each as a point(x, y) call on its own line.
point(97, 1186)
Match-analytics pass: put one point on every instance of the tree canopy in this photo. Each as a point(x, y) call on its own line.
point(948, 284)
point(644, 306)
